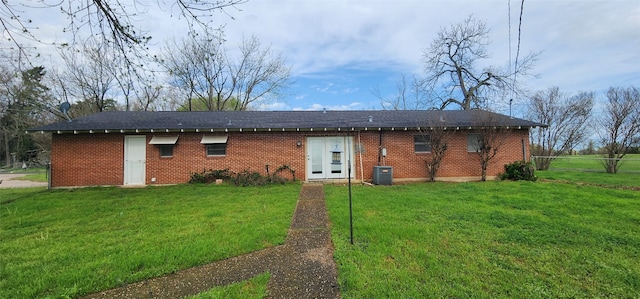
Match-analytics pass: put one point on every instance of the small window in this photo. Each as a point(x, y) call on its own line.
point(216, 149)
point(422, 143)
point(166, 150)
point(474, 142)
point(215, 145)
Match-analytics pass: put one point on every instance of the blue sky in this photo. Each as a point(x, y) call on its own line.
point(344, 88)
point(339, 50)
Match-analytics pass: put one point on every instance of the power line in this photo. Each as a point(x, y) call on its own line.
point(509, 21)
point(515, 69)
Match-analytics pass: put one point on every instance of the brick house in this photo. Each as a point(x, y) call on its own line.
point(145, 148)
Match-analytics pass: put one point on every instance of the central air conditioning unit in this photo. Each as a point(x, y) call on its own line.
point(382, 175)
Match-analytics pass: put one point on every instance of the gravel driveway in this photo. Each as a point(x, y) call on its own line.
point(8, 180)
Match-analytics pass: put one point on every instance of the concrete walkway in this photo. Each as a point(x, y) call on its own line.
point(301, 268)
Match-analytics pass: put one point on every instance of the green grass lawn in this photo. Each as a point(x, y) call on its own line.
point(621, 179)
point(35, 177)
point(494, 239)
point(630, 163)
point(487, 240)
point(26, 170)
point(254, 288)
point(586, 169)
point(70, 242)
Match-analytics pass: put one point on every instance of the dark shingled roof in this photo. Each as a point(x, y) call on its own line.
point(283, 120)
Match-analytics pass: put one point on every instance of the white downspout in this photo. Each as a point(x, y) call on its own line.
point(360, 154)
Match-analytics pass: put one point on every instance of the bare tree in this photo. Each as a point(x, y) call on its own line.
point(24, 97)
point(137, 86)
point(8, 81)
point(438, 142)
point(147, 96)
point(619, 126)
point(259, 74)
point(408, 96)
point(566, 117)
point(205, 70)
point(115, 21)
point(197, 66)
point(88, 77)
point(452, 76)
point(125, 76)
point(487, 140)
point(169, 99)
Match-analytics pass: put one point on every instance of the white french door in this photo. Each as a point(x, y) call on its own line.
point(135, 159)
point(328, 157)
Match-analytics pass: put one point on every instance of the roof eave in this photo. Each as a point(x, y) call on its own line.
point(313, 129)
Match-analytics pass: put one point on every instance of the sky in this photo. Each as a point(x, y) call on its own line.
point(341, 50)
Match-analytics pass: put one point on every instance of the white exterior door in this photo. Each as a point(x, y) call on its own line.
point(327, 157)
point(134, 159)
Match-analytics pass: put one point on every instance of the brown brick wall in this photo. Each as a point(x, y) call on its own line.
point(87, 159)
point(457, 162)
point(245, 151)
point(97, 159)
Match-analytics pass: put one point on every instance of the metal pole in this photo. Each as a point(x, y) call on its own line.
point(349, 180)
point(510, 102)
point(524, 151)
point(49, 176)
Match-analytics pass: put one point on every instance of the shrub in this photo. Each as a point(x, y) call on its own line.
point(282, 169)
point(519, 170)
point(210, 176)
point(243, 178)
point(248, 178)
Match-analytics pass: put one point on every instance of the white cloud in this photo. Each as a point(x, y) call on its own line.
point(273, 106)
point(587, 45)
point(583, 41)
point(318, 107)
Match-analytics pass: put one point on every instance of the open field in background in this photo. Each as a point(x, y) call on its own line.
point(630, 163)
point(587, 169)
point(69, 242)
point(487, 240)
point(623, 179)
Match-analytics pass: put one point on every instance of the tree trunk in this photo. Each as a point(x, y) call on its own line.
point(612, 166)
point(7, 152)
point(542, 163)
point(484, 171)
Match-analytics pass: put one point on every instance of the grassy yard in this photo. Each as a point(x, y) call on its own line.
point(487, 240)
point(495, 239)
point(254, 288)
point(35, 177)
point(71, 242)
point(630, 163)
point(621, 179)
point(586, 169)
